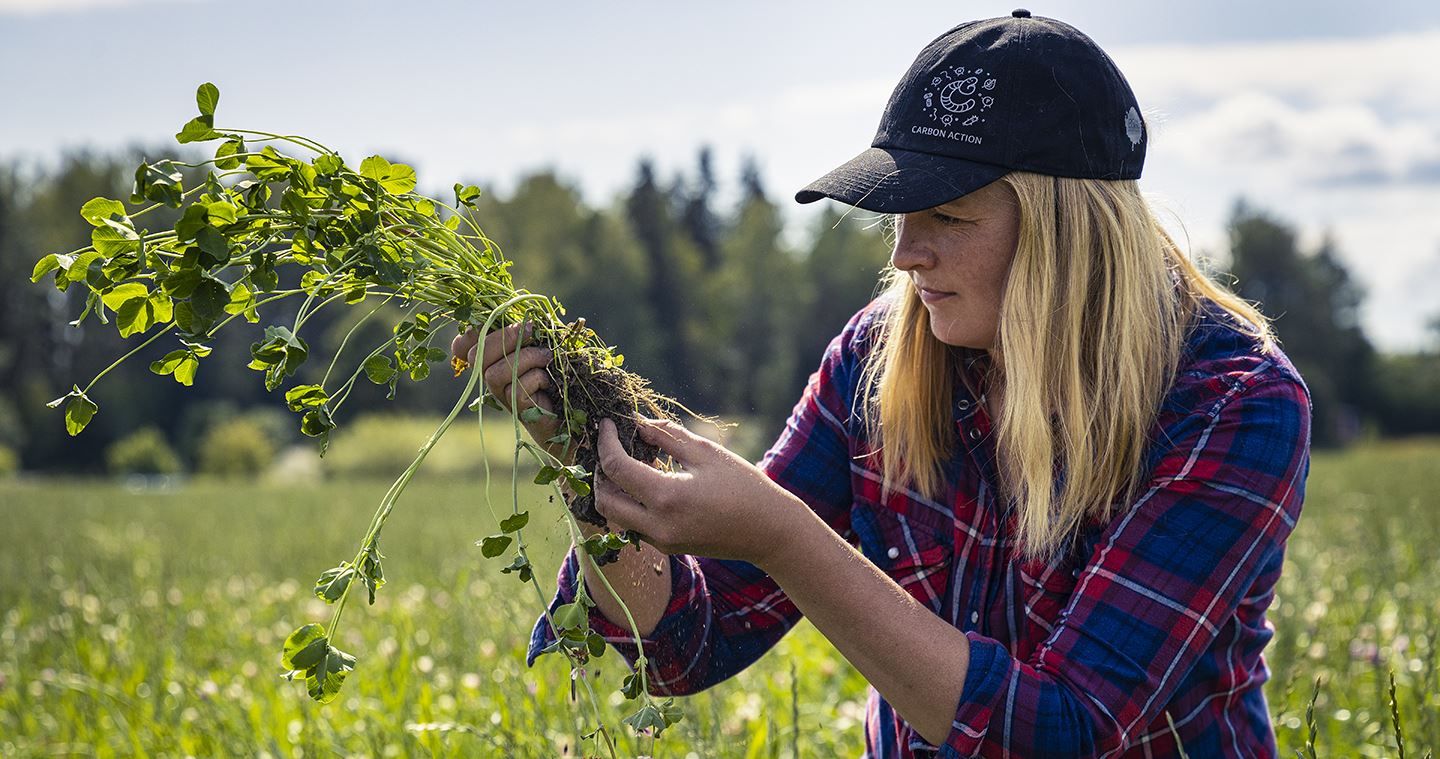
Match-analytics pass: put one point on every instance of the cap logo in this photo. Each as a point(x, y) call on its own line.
point(1133, 128)
point(957, 97)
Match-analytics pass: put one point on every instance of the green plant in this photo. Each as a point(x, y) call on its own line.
point(9, 461)
point(358, 237)
point(237, 447)
point(384, 442)
point(144, 451)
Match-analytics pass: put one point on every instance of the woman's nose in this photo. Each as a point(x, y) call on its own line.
point(910, 251)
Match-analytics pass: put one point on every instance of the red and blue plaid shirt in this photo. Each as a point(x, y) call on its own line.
point(1159, 612)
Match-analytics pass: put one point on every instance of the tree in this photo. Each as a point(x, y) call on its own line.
point(758, 298)
point(697, 216)
point(1315, 307)
point(674, 272)
point(843, 268)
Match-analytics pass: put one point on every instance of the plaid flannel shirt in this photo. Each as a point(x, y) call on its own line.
point(1160, 611)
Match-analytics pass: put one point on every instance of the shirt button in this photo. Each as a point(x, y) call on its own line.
point(974, 433)
point(964, 405)
point(893, 553)
point(974, 617)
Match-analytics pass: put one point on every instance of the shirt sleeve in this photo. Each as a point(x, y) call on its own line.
point(723, 615)
point(1163, 579)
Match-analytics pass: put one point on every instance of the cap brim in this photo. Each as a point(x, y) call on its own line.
point(887, 180)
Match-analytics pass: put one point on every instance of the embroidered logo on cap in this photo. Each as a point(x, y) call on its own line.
point(1133, 127)
point(958, 96)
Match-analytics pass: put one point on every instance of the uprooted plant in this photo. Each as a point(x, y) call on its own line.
point(355, 236)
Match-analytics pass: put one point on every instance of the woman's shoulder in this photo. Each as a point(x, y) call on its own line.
point(1224, 358)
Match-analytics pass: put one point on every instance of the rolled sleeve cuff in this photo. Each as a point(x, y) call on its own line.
point(663, 645)
point(985, 679)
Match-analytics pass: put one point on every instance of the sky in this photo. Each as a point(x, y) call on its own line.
point(1325, 114)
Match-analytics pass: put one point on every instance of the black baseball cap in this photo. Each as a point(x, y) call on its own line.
point(1017, 93)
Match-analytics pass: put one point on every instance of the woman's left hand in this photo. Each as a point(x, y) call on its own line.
point(716, 505)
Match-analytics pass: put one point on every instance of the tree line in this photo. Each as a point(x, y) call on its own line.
point(712, 302)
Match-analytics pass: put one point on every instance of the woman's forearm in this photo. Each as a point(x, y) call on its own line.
point(642, 578)
point(914, 658)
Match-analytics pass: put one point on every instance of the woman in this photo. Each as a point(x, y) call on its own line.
point(1069, 462)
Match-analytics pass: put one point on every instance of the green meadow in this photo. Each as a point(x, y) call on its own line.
point(148, 621)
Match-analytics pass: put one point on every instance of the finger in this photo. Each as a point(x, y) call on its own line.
point(672, 438)
point(640, 480)
point(619, 508)
point(499, 373)
point(501, 343)
point(530, 385)
point(463, 346)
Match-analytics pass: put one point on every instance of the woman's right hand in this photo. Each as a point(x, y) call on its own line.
point(503, 356)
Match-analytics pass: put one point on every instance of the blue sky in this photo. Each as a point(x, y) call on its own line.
point(1325, 113)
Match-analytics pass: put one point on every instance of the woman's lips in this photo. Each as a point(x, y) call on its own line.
point(933, 296)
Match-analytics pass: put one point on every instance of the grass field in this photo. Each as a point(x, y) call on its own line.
point(150, 622)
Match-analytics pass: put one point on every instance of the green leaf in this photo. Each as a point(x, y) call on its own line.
point(122, 293)
point(302, 397)
point(207, 302)
point(224, 153)
point(221, 212)
point(195, 218)
point(333, 582)
point(169, 362)
point(546, 475)
point(198, 129)
point(515, 522)
point(214, 248)
point(466, 195)
point(182, 281)
point(305, 647)
point(268, 164)
point(185, 372)
point(370, 569)
point(595, 642)
point(325, 679)
point(522, 566)
point(96, 210)
point(110, 242)
point(401, 179)
point(328, 163)
point(206, 97)
point(569, 616)
point(79, 409)
point(159, 182)
point(577, 478)
point(52, 262)
point(241, 300)
point(375, 167)
point(181, 363)
point(494, 545)
point(379, 369)
point(396, 178)
point(137, 315)
point(317, 423)
point(630, 686)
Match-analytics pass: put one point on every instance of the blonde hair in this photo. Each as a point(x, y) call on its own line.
point(1091, 329)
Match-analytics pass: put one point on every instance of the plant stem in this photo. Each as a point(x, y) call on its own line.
point(132, 352)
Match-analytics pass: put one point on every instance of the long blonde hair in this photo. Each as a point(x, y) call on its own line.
point(1091, 329)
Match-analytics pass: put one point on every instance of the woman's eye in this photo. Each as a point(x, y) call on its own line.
point(948, 220)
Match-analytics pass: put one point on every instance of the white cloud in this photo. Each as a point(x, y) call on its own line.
point(1386, 71)
point(1332, 135)
point(1331, 143)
